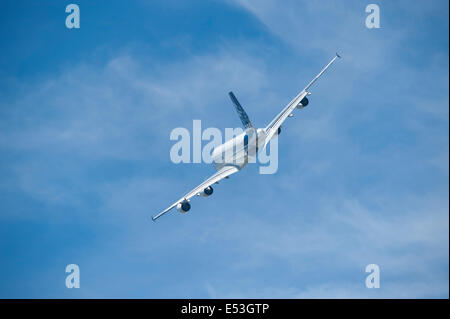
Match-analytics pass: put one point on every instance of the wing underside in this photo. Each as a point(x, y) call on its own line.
point(216, 177)
point(273, 126)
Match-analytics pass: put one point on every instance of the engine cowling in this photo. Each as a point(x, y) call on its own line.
point(183, 207)
point(303, 103)
point(207, 191)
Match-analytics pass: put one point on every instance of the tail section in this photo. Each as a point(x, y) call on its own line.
point(242, 115)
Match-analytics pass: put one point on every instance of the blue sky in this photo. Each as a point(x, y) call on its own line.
point(85, 119)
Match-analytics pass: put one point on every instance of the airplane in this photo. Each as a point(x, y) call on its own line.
point(233, 155)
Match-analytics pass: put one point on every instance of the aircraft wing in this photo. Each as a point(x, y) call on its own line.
point(273, 126)
point(219, 175)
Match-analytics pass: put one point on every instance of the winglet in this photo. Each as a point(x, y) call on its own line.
point(337, 54)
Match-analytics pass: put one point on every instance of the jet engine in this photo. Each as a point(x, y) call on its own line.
point(207, 191)
point(303, 103)
point(279, 131)
point(184, 207)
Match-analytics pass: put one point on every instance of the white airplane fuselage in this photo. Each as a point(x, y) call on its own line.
point(239, 150)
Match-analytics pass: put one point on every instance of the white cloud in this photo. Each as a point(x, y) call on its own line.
point(405, 240)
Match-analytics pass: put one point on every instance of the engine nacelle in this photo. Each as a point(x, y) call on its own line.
point(183, 207)
point(207, 191)
point(303, 103)
point(279, 131)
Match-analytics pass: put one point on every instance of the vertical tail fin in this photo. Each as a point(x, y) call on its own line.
point(242, 115)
